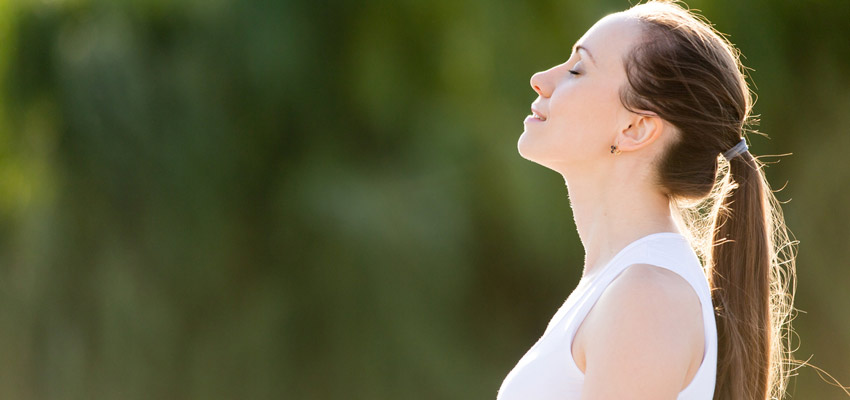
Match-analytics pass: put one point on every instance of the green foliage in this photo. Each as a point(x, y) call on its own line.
point(322, 200)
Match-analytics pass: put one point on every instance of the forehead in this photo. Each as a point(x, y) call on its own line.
point(610, 38)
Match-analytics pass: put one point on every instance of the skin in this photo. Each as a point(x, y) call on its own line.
point(624, 339)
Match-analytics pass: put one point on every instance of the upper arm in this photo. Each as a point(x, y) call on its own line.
point(641, 337)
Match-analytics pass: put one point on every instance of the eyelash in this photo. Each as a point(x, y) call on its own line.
point(574, 72)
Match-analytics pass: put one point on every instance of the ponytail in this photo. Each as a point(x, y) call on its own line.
point(748, 248)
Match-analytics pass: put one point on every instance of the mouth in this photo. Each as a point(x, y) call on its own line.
point(536, 114)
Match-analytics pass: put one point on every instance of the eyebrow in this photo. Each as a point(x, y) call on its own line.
point(578, 47)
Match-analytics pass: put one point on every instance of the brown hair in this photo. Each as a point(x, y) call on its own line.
point(692, 77)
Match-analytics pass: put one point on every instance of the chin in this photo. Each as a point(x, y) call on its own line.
point(532, 149)
point(519, 146)
point(524, 146)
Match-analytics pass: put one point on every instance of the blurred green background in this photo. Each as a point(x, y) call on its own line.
point(307, 199)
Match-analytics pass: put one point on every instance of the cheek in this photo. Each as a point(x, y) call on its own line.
point(585, 112)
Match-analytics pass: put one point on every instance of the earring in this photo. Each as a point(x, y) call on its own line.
point(614, 149)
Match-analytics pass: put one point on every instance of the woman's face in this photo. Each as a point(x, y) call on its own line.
point(579, 99)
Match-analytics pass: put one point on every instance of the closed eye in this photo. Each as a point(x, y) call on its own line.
point(574, 72)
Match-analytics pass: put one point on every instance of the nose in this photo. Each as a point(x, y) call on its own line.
point(538, 83)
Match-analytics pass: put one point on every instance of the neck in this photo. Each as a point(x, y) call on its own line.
point(609, 216)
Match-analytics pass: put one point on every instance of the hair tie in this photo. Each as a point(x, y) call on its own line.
point(735, 151)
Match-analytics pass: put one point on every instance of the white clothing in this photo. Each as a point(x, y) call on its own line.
point(549, 372)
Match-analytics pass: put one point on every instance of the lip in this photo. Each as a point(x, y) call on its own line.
point(534, 110)
point(531, 120)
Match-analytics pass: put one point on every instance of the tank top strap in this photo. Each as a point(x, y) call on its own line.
point(670, 251)
point(590, 287)
point(667, 250)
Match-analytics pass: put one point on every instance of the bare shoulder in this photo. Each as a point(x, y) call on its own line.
point(646, 333)
point(656, 282)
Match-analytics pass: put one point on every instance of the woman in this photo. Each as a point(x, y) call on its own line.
point(645, 122)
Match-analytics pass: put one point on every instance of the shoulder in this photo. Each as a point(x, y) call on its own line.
point(653, 283)
point(643, 331)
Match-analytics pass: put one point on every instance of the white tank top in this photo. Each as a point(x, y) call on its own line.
point(549, 372)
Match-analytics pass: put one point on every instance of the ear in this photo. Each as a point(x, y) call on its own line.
point(640, 131)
